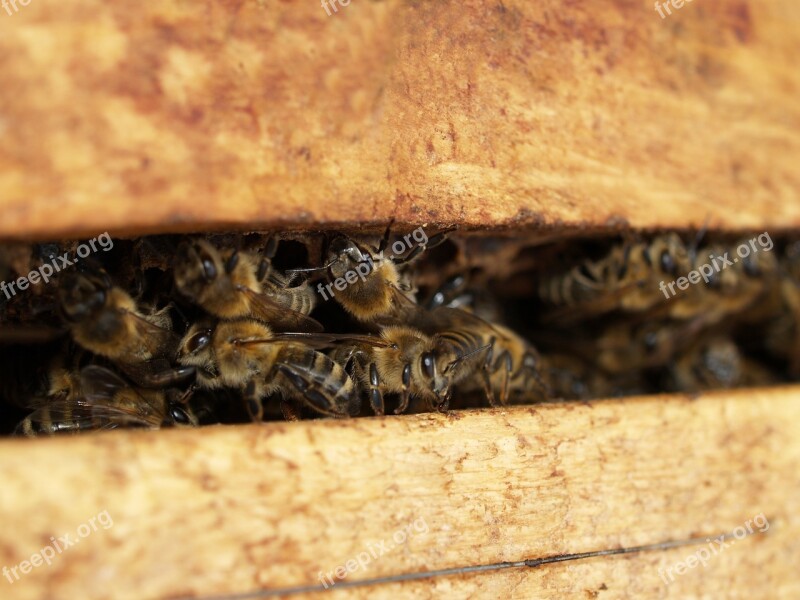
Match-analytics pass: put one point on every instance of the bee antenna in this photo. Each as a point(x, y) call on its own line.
point(701, 233)
point(238, 342)
point(312, 269)
point(464, 357)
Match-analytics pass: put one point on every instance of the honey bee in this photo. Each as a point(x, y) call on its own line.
point(406, 362)
point(458, 350)
point(734, 288)
point(229, 284)
point(715, 362)
point(630, 276)
point(488, 356)
point(626, 278)
point(98, 399)
point(247, 355)
point(105, 320)
point(456, 292)
point(573, 378)
point(373, 288)
point(783, 327)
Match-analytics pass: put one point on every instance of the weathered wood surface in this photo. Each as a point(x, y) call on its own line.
point(238, 509)
point(173, 115)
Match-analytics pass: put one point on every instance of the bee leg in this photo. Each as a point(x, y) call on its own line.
point(507, 367)
point(313, 394)
point(405, 394)
point(162, 379)
point(531, 365)
point(290, 411)
point(252, 402)
point(444, 405)
point(375, 396)
point(186, 396)
point(431, 243)
point(385, 238)
point(486, 375)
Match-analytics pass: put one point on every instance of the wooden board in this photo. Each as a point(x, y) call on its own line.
point(137, 117)
point(230, 510)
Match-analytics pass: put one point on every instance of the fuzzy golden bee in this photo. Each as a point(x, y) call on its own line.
point(229, 284)
point(248, 355)
point(369, 285)
point(98, 399)
point(106, 321)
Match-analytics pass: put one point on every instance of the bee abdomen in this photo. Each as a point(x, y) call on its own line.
point(323, 383)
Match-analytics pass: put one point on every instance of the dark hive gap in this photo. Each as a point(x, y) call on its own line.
point(591, 309)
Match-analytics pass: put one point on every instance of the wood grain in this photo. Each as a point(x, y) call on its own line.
point(237, 509)
point(174, 116)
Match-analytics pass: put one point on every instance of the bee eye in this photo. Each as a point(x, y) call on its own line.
point(198, 341)
point(428, 364)
point(179, 415)
point(209, 269)
point(667, 263)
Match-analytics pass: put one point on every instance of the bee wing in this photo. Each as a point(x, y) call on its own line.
point(443, 318)
point(406, 310)
point(72, 415)
point(266, 309)
point(326, 340)
point(159, 341)
point(82, 414)
point(99, 387)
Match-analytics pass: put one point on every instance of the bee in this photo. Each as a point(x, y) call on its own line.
point(247, 355)
point(573, 378)
point(625, 279)
point(731, 290)
point(229, 284)
point(488, 356)
point(783, 327)
point(369, 286)
point(105, 320)
point(404, 362)
point(98, 399)
point(456, 292)
point(455, 350)
point(715, 362)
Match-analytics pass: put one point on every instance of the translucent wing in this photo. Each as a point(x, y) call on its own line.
point(326, 340)
point(266, 309)
point(157, 340)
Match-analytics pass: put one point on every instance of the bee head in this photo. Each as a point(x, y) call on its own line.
point(344, 254)
point(197, 265)
point(82, 295)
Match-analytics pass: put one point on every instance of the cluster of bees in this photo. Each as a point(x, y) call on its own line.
point(189, 330)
